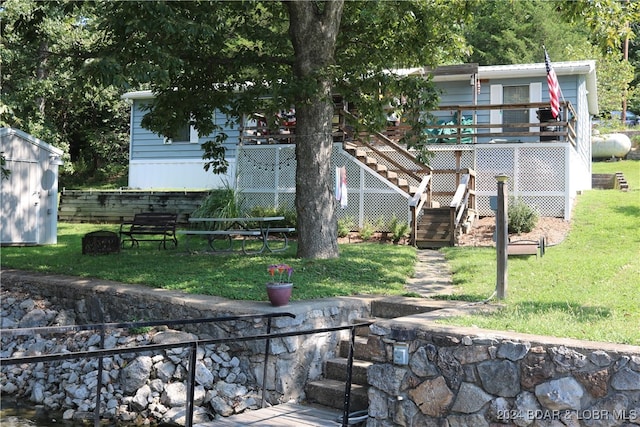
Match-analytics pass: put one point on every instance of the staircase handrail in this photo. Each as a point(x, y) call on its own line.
point(416, 203)
point(462, 200)
point(422, 168)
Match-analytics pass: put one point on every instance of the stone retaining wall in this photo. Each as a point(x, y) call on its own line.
point(151, 387)
point(454, 376)
point(472, 377)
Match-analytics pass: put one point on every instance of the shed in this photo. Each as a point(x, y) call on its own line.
point(29, 197)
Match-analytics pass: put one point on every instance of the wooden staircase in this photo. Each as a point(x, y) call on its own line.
point(432, 227)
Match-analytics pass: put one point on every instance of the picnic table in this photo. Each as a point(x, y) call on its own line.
point(230, 229)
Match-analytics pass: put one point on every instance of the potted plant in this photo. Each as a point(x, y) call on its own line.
point(280, 287)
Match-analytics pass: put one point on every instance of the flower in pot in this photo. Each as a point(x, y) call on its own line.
point(280, 286)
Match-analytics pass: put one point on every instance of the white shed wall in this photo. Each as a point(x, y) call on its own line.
point(29, 198)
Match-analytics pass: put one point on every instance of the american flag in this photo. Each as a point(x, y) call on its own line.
point(554, 86)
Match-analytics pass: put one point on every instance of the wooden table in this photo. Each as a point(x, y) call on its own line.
point(245, 227)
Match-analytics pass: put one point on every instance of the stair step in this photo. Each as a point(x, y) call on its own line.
point(362, 331)
point(331, 393)
point(432, 244)
point(365, 348)
point(336, 369)
point(394, 307)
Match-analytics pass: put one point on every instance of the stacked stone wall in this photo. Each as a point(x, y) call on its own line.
point(151, 388)
point(470, 377)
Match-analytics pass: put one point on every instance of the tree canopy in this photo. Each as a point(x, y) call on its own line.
point(243, 57)
point(46, 92)
point(65, 65)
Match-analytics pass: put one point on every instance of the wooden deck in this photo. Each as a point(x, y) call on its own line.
point(284, 415)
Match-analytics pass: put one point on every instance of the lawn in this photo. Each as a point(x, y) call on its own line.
point(587, 287)
point(368, 268)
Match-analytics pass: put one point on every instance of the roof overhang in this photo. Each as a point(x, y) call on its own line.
point(138, 94)
point(587, 68)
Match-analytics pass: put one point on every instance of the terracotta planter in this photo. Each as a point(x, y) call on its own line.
point(279, 293)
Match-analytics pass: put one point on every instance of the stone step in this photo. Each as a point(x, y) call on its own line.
point(398, 306)
point(365, 348)
point(331, 393)
point(336, 369)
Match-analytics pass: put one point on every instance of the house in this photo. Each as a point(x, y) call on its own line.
point(491, 120)
point(29, 197)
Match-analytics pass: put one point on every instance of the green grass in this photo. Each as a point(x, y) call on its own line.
point(587, 287)
point(361, 269)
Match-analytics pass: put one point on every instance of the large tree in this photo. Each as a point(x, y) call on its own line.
point(242, 57)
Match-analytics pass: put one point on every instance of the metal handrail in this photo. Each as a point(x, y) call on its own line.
point(192, 345)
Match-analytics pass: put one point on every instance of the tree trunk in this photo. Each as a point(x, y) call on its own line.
point(313, 30)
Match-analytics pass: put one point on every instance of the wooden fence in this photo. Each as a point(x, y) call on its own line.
point(115, 206)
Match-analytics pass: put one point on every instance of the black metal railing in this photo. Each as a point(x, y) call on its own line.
point(191, 345)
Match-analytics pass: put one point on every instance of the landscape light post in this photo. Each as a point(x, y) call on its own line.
point(502, 237)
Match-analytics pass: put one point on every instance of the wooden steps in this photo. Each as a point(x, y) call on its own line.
point(434, 229)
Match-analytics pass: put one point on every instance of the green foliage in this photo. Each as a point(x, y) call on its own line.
point(288, 214)
point(514, 32)
point(369, 227)
point(521, 217)
point(47, 92)
point(346, 224)
point(221, 203)
point(398, 229)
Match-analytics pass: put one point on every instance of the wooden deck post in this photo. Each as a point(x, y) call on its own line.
point(502, 237)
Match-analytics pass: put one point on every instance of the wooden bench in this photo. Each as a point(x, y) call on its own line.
point(526, 247)
point(150, 227)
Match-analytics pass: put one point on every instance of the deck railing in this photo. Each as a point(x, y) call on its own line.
point(464, 123)
point(470, 124)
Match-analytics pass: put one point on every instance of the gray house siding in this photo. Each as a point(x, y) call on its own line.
point(148, 145)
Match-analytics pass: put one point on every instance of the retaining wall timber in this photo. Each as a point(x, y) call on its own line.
point(116, 206)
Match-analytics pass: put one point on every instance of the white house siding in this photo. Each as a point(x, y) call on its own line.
point(155, 163)
point(172, 174)
point(29, 197)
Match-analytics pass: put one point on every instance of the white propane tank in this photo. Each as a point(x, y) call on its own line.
point(610, 145)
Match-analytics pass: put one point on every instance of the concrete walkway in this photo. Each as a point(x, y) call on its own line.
point(432, 276)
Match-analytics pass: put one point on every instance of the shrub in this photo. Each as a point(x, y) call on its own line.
point(521, 217)
point(397, 229)
point(223, 203)
point(367, 230)
point(345, 225)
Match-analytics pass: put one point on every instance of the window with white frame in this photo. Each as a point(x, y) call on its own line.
point(503, 94)
point(186, 134)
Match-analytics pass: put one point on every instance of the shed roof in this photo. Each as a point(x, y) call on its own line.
point(5, 132)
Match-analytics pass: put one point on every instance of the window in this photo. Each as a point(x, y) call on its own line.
point(515, 95)
point(185, 135)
